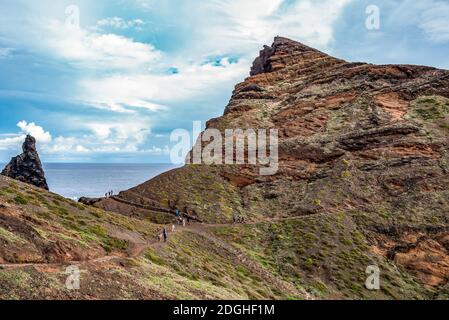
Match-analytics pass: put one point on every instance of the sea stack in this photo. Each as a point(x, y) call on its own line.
point(27, 167)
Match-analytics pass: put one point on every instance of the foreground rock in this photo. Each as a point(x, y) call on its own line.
point(27, 167)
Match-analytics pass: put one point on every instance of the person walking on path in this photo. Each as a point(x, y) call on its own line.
point(184, 222)
point(173, 228)
point(164, 234)
point(188, 220)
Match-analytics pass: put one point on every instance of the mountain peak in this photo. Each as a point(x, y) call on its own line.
point(281, 48)
point(29, 144)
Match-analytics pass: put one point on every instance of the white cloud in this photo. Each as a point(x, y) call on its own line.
point(311, 21)
point(430, 16)
point(127, 136)
point(243, 26)
point(130, 75)
point(226, 26)
point(15, 140)
point(157, 151)
point(36, 131)
point(435, 21)
point(150, 91)
point(147, 4)
point(99, 51)
point(11, 142)
point(120, 23)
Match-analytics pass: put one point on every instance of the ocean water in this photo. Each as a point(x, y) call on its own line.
point(94, 180)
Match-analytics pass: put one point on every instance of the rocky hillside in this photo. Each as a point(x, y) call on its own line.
point(363, 176)
point(119, 257)
point(363, 180)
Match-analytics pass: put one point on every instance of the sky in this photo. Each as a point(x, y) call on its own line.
point(107, 81)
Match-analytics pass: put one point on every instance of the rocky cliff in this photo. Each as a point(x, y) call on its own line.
point(362, 184)
point(364, 167)
point(27, 167)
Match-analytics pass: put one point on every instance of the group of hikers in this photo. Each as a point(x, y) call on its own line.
point(180, 220)
point(109, 194)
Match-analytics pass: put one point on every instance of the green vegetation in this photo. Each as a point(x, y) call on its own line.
point(200, 188)
point(10, 237)
point(326, 255)
point(432, 107)
point(20, 199)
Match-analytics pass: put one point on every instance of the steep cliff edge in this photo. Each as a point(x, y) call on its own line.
point(363, 157)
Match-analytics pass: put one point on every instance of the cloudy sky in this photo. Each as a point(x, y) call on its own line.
point(112, 87)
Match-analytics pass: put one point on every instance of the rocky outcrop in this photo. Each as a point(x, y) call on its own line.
point(273, 58)
point(27, 167)
point(89, 201)
point(368, 142)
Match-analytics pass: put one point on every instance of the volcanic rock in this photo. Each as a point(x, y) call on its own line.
point(27, 167)
point(366, 143)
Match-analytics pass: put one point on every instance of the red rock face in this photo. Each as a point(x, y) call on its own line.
point(428, 259)
point(367, 141)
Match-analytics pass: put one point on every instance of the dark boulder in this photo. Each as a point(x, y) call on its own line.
point(89, 201)
point(27, 167)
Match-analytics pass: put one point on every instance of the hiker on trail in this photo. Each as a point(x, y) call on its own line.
point(180, 220)
point(188, 220)
point(177, 212)
point(164, 234)
point(184, 223)
point(173, 228)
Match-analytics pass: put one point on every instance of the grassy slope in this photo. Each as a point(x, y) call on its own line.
point(42, 233)
point(326, 254)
